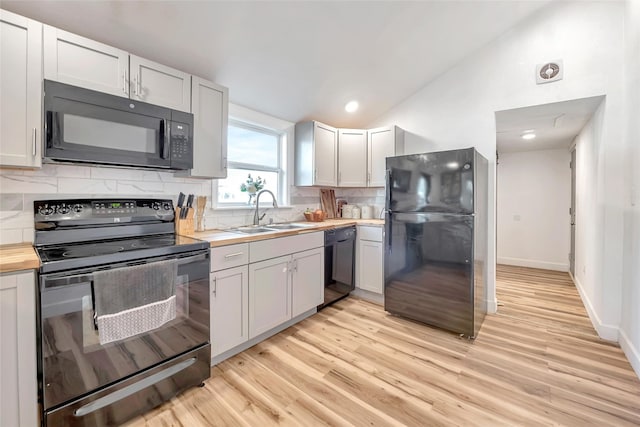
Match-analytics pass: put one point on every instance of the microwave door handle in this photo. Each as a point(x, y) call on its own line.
point(53, 129)
point(165, 139)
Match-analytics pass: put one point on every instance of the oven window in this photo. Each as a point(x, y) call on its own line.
point(108, 134)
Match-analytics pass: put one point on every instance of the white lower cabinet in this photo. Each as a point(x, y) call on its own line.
point(282, 283)
point(269, 294)
point(229, 311)
point(307, 288)
point(18, 366)
point(370, 260)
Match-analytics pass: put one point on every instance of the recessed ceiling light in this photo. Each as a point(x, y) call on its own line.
point(351, 106)
point(528, 136)
point(453, 165)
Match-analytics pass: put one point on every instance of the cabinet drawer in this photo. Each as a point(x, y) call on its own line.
point(370, 233)
point(229, 256)
point(272, 248)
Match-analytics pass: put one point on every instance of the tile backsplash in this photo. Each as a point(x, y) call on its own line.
point(19, 188)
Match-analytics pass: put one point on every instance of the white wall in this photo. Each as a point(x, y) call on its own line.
point(590, 152)
point(630, 315)
point(534, 197)
point(457, 110)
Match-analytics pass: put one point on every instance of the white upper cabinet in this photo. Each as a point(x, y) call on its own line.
point(79, 61)
point(352, 158)
point(382, 143)
point(316, 152)
point(21, 89)
point(209, 104)
point(158, 84)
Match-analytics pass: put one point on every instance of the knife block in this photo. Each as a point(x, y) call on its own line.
point(185, 226)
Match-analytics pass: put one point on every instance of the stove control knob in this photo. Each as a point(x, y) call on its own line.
point(155, 206)
point(64, 209)
point(45, 210)
point(77, 208)
point(166, 206)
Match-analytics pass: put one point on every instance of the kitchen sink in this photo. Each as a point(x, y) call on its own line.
point(252, 230)
point(285, 226)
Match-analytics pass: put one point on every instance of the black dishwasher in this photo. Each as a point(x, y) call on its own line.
point(339, 256)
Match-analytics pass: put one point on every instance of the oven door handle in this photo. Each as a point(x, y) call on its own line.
point(53, 282)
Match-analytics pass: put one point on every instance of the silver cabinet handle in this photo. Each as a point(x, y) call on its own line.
point(339, 177)
point(124, 82)
point(215, 285)
point(139, 86)
point(224, 163)
point(34, 145)
point(368, 178)
point(136, 86)
point(233, 255)
point(295, 265)
point(315, 176)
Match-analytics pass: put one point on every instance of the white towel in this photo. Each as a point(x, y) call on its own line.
point(134, 321)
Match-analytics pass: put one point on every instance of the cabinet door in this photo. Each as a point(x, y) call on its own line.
point(18, 367)
point(352, 158)
point(269, 294)
point(381, 144)
point(160, 85)
point(78, 61)
point(307, 288)
point(209, 106)
point(21, 88)
point(325, 155)
point(370, 261)
point(229, 309)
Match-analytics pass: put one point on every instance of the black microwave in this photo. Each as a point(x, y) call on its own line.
point(85, 126)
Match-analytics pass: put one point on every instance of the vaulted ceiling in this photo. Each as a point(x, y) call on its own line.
point(296, 60)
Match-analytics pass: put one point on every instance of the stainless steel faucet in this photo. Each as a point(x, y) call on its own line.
point(256, 215)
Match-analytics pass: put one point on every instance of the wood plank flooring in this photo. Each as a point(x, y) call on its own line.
point(537, 362)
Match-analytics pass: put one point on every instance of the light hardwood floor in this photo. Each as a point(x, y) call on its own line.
point(537, 362)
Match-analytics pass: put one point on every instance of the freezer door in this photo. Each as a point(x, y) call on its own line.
point(431, 182)
point(429, 269)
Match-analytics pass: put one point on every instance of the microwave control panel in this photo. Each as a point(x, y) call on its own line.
point(181, 146)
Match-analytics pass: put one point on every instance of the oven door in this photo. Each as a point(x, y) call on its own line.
point(73, 363)
point(82, 125)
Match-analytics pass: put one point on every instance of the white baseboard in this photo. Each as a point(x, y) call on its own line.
point(532, 263)
point(632, 353)
point(606, 332)
point(492, 306)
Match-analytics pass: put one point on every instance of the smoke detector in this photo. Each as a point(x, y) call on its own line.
point(549, 72)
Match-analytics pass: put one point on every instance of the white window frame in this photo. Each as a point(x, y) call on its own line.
point(250, 119)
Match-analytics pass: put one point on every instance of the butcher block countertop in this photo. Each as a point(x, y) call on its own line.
point(224, 237)
point(22, 256)
point(18, 257)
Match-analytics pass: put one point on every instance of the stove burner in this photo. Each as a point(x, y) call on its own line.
point(92, 250)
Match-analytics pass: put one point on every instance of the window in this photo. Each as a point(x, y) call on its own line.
point(254, 151)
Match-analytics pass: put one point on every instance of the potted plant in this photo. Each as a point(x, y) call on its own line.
point(252, 186)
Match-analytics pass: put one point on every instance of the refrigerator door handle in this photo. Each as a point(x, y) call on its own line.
point(387, 230)
point(387, 188)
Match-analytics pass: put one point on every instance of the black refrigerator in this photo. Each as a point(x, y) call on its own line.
point(436, 239)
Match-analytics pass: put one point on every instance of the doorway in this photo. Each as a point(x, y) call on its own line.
point(536, 183)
